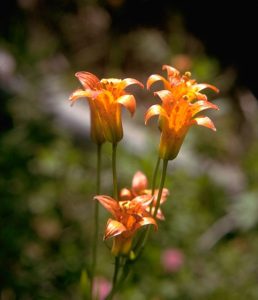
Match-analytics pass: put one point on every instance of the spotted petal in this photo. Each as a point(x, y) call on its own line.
point(114, 228)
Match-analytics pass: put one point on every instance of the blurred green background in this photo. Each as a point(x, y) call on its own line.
point(47, 160)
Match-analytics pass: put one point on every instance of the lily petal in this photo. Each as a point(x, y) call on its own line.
point(114, 228)
point(172, 72)
point(144, 200)
point(129, 81)
point(154, 110)
point(109, 203)
point(88, 80)
point(139, 182)
point(202, 105)
point(160, 215)
point(154, 78)
point(83, 93)
point(165, 95)
point(201, 86)
point(125, 194)
point(147, 221)
point(204, 121)
point(128, 101)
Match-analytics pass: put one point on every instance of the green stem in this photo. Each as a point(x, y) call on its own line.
point(154, 179)
point(114, 281)
point(96, 221)
point(115, 187)
point(140, 247)
point(161, 186)
point(115, 195)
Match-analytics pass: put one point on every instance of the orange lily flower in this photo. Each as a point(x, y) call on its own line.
point(130, 215)
point(181, 102)
point(140, 187)
point(105, 98)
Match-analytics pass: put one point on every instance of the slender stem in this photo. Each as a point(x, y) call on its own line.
point(161, 186)
point(154, 179)
point(114, 281)
point(117, 265)
point(140, 247)
point(115, 194)
point(98, 169)
point(96, 221)
point(115, 187)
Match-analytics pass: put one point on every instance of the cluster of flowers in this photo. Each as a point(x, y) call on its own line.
point(181, 103)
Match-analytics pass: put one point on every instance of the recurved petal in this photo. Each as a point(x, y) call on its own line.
point(200, 96)
point(139, 182)
point(165, 95)
point(154, 110)
point(164, 195)
point(83, 93)
point(172, 72)
point(77, 94)
point(144, 200)
point(202, 86)
point(129, 81)
point(204, 121)
point(147, 221)
point(113, 228)
point(160, 215)
point(109, 203)
point(153, 78)
point(88, 80)
point(202, 105)
point(128, 101)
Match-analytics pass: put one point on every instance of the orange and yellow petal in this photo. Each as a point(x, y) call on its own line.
point(154, 78)
point(125, 194)
point(114, 228)
point(109, 203)
point(201, 105)
point(129, 81)
point(155, 110)
point(201, 86)
point(147, 221)
point(204, 121)
point(128, 101)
